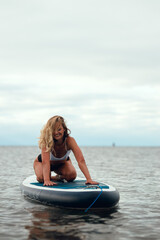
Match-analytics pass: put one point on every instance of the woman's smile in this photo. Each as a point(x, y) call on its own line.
point(57, 135)
point(59, 132)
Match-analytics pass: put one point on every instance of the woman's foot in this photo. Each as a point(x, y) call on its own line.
point(57, 178)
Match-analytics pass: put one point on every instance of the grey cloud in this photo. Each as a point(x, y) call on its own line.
point(109, 50)
point(107, 39)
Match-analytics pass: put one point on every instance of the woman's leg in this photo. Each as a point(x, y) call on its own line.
point(38, 170)
point(67, 171)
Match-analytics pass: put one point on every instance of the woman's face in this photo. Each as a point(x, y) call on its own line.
point(58, 132)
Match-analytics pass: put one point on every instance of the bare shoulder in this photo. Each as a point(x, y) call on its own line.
point(71, 142)
point(72, 145)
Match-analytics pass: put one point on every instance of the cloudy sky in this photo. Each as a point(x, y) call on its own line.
point(95, 62)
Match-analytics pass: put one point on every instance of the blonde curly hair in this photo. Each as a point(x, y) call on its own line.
point(46, 137)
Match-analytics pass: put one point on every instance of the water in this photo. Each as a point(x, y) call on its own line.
point(135, 172)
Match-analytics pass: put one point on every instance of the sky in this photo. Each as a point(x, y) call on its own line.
point(94, 62)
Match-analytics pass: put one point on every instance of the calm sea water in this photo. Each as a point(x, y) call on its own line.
point(135, 172)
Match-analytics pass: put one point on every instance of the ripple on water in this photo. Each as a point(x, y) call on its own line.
point(133, 171)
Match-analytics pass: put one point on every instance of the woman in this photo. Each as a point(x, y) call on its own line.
point(56, 145)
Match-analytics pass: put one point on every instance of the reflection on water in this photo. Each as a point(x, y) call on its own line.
point(54, 223)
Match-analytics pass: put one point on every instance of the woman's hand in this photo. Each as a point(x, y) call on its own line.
point(90, 181)
point(49, 183)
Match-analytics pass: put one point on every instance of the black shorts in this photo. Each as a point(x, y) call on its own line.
point(40, 158)
point(53, 167)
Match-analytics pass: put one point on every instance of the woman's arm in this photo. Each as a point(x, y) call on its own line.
point(80, 159)
point(46, 168)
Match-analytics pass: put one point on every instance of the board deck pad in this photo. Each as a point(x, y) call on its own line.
point(77, 184)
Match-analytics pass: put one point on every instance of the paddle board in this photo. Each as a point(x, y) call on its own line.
point(74, 194)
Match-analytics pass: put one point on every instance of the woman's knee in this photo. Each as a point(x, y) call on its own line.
point(71, 176)
point(40, 179)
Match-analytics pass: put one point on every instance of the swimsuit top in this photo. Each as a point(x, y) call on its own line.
point(52, 157)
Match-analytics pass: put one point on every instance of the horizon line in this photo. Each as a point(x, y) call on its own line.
point(113, 146)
